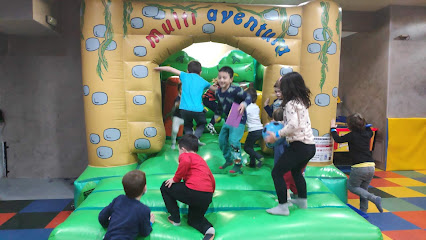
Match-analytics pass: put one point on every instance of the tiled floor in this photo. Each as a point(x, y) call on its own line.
point(404, 203)
point(32, 219)
point(403, 197)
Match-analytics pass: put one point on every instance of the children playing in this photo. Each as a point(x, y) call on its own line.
point(193, 86)
point(362, 170)
point(279, 148)
point(230, 137)
point(177, 119)
point(209, 100)
point(254, 128)
point(298, 132)
point(126, 216)
point(277, 102)
point(196, 190)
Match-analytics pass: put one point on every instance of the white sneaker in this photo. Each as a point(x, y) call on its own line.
point(281, 209)
point(300, 202)
point(211, 128)
point(201, 143)
point(173, 147)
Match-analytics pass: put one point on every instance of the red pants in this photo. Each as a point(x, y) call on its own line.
point(289, 181)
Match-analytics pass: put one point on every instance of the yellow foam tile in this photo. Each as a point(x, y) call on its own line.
point(406, 182)
point(421, 171)
point(401, 192)
point(371, 207)
point(378, 170)
point(386, 237)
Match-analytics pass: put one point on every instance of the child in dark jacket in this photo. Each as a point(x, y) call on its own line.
point(230, 136)
point(362, 170)
point(277, 102)
point(126, 216)
point(210, 101)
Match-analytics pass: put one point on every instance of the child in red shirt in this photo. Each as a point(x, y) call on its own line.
point(196, 190)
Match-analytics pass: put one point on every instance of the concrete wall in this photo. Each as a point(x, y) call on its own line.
point(364, 77)
point(407, 65)
point(41, 96)
point(382, 77)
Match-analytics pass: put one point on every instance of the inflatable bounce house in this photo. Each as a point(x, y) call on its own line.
point(123, 41)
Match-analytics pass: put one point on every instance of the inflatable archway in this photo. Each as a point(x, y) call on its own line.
point(122, 42)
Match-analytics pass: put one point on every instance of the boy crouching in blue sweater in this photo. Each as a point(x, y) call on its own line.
point(126, 216)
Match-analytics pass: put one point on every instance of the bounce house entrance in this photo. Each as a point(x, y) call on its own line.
point(247, 73)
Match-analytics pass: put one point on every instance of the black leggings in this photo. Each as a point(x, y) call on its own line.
point(251, 139)
point(294, 159)
point(198, 203)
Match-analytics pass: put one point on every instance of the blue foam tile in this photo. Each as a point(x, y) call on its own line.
point(363, 214)
point(49, 205)
point(421, 179)
point(418, 201)
point(389, 221)
point(33, 234)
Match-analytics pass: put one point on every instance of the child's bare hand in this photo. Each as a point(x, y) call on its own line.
point(152, 219)
point(266, 102)
point(271, 137)
point(333, 123)
point(169, 182)
point(241, 108)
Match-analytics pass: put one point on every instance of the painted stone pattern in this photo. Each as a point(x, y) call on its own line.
point(122, 43)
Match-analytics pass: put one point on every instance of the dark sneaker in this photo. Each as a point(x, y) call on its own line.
point(171, 221)
point(227, 164)
point(260, 163)
point(236, 169)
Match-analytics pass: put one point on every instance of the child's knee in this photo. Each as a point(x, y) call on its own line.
point(275, 173)
point(163, 187)
point(246, 148)
point(235, 146)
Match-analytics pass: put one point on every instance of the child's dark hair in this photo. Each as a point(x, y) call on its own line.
point(179, 87)
point(293, 88)
point(189, 142)
point(253, 94)
point(134, 183)
point(278, 114)
point(194, 67)
point(277, 83)
point(227, 70)
point(356, 122)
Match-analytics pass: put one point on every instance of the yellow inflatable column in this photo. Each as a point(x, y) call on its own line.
point(320, 58)
point(122, 92)
point(104, 95)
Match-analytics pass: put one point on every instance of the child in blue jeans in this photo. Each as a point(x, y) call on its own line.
point(280, 144)
point(230, 137)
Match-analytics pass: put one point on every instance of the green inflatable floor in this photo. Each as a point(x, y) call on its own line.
point(238, 207)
